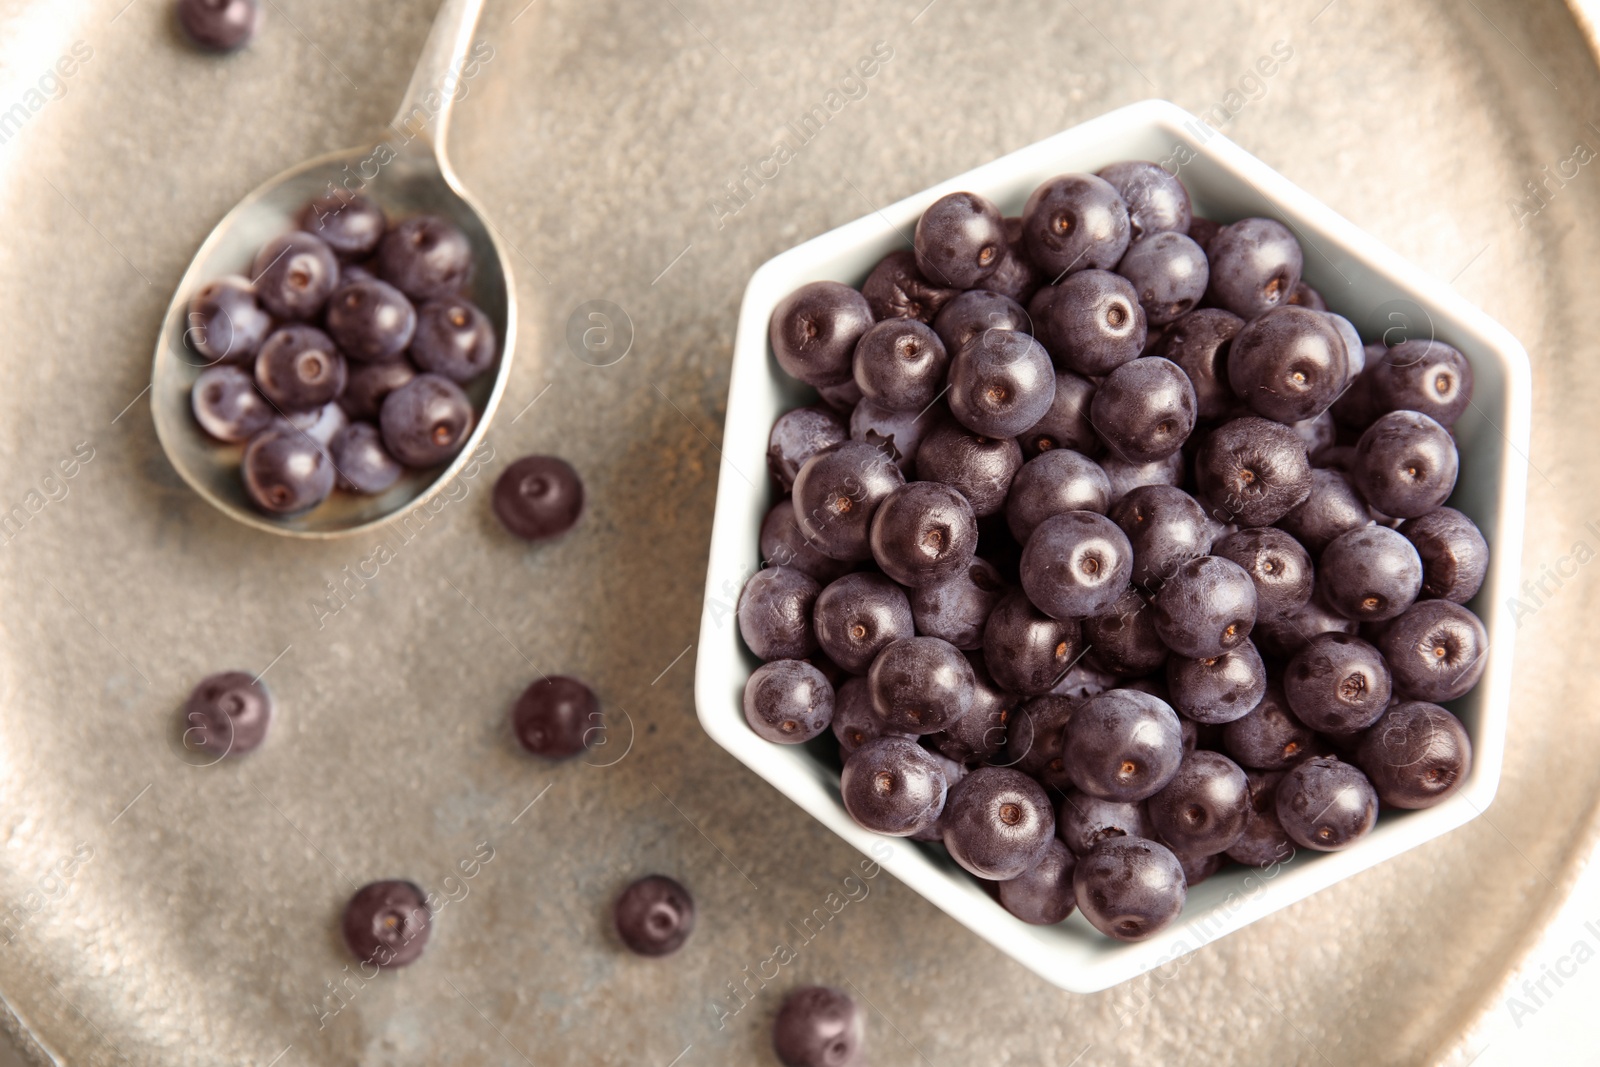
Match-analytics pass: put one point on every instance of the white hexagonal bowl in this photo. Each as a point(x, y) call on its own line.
point(1360, 279)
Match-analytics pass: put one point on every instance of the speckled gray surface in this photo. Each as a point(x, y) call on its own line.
point(196, 922)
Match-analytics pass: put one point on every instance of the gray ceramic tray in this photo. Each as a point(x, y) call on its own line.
point(166, 913)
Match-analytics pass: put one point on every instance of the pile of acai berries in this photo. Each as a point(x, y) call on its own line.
point(340, 361)
point(1109, 554)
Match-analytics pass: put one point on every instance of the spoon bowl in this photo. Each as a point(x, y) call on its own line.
point(414, 178)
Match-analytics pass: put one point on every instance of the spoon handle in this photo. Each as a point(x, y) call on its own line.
point(443, 71)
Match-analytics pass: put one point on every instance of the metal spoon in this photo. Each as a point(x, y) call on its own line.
point(407, 173)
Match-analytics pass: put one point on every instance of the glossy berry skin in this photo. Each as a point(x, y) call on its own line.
point(1263, 842)
point(783, 545)
point(1454, 555)
point(1168, 271)
point(975, 313)
point(557, 717)
point(367, 384)
point(1054, 483)
point(426, 421)
point(538, 497)
point(1206, 608)
point(425, 258)
point(1436, 651)
point(227, 714)
point(219, 25)
point(1220, 688)
point(1284, 637)
point(1166, 528)
point(901, 363)
point(1126, 477)
point(1130, 888)
point(1016, 276)
point(814, 331)
point(294, 275)
point(854, 723)
point(981, 734)
point(1406, 464)
point(361, 463)
point(387, 923)
point(775, 613)
point(1035, 738)
point(1423, 375)
point(1278, 565)
point(897, 290)
point(1001, 383)
point(1075, 222)
point(1066, 422)
point(960, 240)
point(819, 1027)
point(654, 916)
point(1255, 266)
point(1042, 894)
point(836, 494)
point(1355, 350)
point(957, 608)
point(1026, 650)
point(1333, 507)
point(998, 823)
point(225, 324)
point(788, 701)
point(1307, 297)
point(454, 338)
point(797, 435)
point(351, 225)
point(299, 369)
point(897, 434)
point(1083, 821)
point(285, 471)
point(1252, 472)
point(859, 614)
point(1076, 564)
point(320, 424)
point(1123, 639)
point(1199, 343)
point(1144, 410)
point(1157, 201)
point(1123, 745)
point(893, 786)
point(1203, 810)
point(921, 685)
point(371, 321)
point(1369, 575)
point(226, 405)
point(1269, 738)
point(1197, 869)
point(1417, 755)
point(924, 533)
point(1337, 684)
point(1091, 323)
point(1288, 365)
point(1326, 804)
point(979, 468)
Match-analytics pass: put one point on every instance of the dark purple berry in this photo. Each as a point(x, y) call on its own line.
point(1168, 272)
point(219, 25)
point(1332, 508)
point(788, 701)
point(360, 461)
point(1130, 888)
point(1066, 422)
point(901, 364)
point(897, 434)
point(1326, 804)
point(1157, 201)
point(226, 325)
point(1284, 637)
point(775, 613)
point(1406, 464)
point(227, 406)
point(1276, 563)
point(1203, 810)
point(1166, 528)
point(982, 733)
point(1269, 738)
point(1042, 894)
point(1252, 472)
point(1417, 755)
point(1016, 276)
point(426, 421)
point(960, 240)
point(979, 468)
point(1219, 688)
point(783, 545)
point(1054, 483)
point(1436, 650)
point(320, 424)
point(1454, 555)
point(1026, 650)
point(294, 275)
point(797, 435)
point(1001, 383)
point(1255, 266)
point(1075, 222)
point(894, 786)
point(654, 916)
point(1206, 608)
point(854, 723)
point(819, 1027)
point(1369, 575)
point(1307, 297)
point(1076, 564)
point(557, 717)
point(538, 497)
point(998, 823)
point(857, 616)
point(957, 608)
point(924, 533)
point(1126, 477)
point(1091, 323)
point(299, 368)
point(836, 493)
point(1337, 684)
point(453, 338)
point(897, 290)
point(1123, 745)
point(1083, 821)
point(1035, 739)
point(1263, 842)
point(1199, 343)
point(1123, 639)
point(351, 225)
point(1144, 410)
point(1288, 365)
point(921, 685)
point(371, 321)
point(426, 258)
point(978, 312)
point(814, 331)
point(227, 714)
point(1427, 376)
point(367, 384)
point(286, 471)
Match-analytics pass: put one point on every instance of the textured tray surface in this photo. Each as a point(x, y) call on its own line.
point(202, 926)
